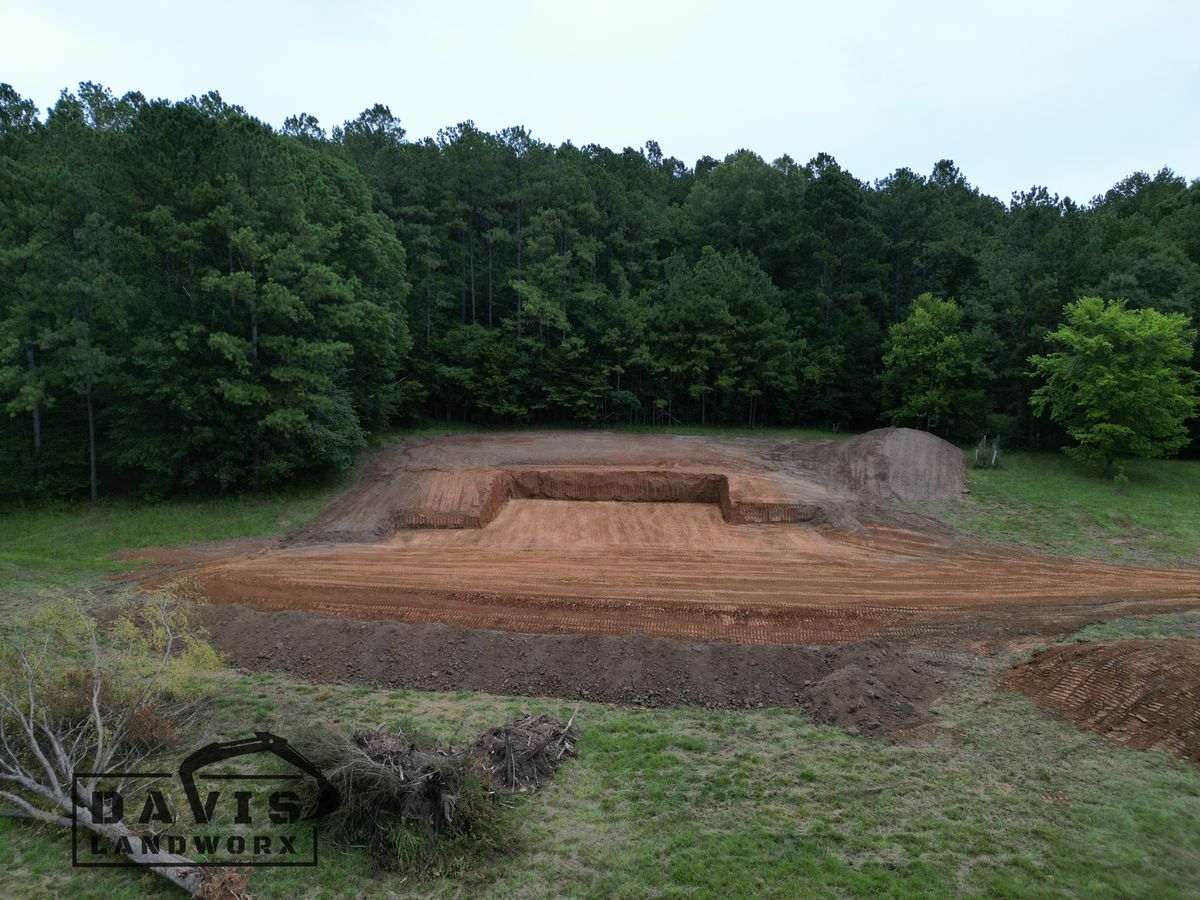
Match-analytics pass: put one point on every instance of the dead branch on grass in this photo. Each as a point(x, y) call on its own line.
point(45, 741)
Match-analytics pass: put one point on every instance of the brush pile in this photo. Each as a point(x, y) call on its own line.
point(521, 755)
point(419, 807)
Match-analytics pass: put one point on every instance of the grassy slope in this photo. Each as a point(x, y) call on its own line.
point(60, 544)
point(1007, 801)
point(1046, 500)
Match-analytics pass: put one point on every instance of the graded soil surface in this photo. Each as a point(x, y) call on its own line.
point(565, 560)
point(757, 541)
point(678, 570)
point(1142, 693)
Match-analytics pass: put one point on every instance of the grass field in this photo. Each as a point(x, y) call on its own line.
point(1007, 801)
point(668, 802)
point(1046, 500)
point(60, 544)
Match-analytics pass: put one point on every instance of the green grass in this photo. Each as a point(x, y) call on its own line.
point(1045, 500)
point(1007, 802)
point(43, 545)
point(1164, 627)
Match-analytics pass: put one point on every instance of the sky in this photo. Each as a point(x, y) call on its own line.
point(1070, 95)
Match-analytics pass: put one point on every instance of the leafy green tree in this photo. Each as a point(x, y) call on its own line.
point(1119, 381)
point(928, 378)
point(188, 297)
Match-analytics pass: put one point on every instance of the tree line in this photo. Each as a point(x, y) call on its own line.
point(189, 297)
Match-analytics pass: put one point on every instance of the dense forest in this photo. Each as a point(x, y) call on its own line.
point(189, 297)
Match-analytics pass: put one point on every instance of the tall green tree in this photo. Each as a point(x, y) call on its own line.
point(1119, 381)
point(929, 376)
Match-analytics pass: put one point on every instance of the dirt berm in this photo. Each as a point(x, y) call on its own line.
point(866, 686)
point(1142, 693)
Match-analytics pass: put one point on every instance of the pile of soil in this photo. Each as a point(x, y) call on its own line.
point(868, 686)
point(1142, 693)
point(903, 465)
point(872, 689)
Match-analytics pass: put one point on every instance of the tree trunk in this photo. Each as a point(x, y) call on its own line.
point(39, 474)
point(253, 328)
point(1108, 468)
point(92, 446)
point(471, 256)
point(428, 301)
point(520, 255)
point(177, 869)
point(462, 277)
point(896, 291)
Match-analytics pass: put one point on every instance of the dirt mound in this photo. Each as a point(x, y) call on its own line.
point(1143, 693)
point(896, 687)
point(871, 689)
point(900, 464)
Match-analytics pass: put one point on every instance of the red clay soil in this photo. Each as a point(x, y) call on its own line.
point(678, 570)
point(654, 570)
point(463, 481)
point(1142, 693)
point(535, 534)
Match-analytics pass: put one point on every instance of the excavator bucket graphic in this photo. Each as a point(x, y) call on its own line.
point(262, 742)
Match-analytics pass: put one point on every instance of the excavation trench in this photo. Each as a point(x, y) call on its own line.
point(496, 488)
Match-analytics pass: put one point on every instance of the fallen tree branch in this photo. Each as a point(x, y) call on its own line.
point(41, 747)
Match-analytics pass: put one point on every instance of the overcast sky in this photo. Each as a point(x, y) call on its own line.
point(1072, 95)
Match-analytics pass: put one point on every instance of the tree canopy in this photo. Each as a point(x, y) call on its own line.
point(189, 297)
point(1119, 381)
point(929, 371)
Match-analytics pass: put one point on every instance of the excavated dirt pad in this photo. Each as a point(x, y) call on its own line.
point(565, 588)
point(679, 570)
point(535, 533)
point(458, 481)
point(1143, 693)
point(873, 688)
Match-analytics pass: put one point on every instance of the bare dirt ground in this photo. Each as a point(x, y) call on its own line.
point(654, 569)
point(867, 686)
point(1143, 693)
point(677, 570)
